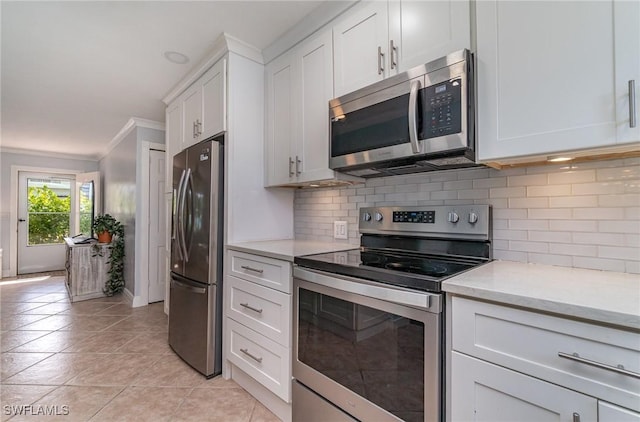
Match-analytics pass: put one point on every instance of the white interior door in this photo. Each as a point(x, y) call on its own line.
point(45, 202)
point(157, 216)
point(88, 202)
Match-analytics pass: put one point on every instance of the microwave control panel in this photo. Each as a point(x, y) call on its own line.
point(442, 109)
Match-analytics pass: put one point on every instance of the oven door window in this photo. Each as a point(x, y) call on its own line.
point(376, 354)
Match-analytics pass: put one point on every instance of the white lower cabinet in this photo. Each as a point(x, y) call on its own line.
point(520, 365)
point(258, 320)
point(482, 391)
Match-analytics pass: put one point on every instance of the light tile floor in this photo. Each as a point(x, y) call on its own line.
point(101, 360)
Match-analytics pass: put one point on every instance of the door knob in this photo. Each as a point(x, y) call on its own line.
point(21, 220)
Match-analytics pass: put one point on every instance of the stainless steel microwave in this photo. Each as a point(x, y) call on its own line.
point(419, 120)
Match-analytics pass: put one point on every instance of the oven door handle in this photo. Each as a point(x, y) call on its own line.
point(413, 119)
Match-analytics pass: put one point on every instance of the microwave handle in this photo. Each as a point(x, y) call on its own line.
point(413, 121)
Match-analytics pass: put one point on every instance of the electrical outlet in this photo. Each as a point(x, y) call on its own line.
point(340, 230)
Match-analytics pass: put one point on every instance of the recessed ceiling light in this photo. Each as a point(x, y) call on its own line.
point(558, 159)
point(175, 57)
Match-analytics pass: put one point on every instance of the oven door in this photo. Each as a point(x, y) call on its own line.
point(374, 359)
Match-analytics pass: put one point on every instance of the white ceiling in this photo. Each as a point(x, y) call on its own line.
point(73, 73)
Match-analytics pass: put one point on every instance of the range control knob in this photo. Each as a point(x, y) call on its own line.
point(379, 216)
point(473, 218)
point(366, 216)
point(453, 217)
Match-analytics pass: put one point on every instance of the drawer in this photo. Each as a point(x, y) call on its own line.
point(266, 361)
point(267, 272)
point(264, 310)
point(543, 346)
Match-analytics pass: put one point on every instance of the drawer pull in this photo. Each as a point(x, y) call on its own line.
point(255, 270)
point(619, 369)
point(576, 417)
point(246, 352)
point(246, 305)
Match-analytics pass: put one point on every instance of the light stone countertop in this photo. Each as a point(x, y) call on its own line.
point(600, 296)
point(289, 249)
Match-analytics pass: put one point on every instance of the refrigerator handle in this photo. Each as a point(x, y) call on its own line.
point(181, 210)
point(176, 215)
point(188, 226)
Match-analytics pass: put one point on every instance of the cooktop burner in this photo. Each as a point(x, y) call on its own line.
point(405, 270)
point(414, 247)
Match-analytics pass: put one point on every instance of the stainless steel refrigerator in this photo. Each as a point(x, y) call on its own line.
point(195, 300)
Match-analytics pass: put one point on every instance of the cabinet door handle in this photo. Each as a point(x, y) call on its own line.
point(246, 305)
point(195, 130)
point(255, 270)
point(393, 50)
point(619, 369)
point(290, 167)
point(632, 103)
point(252, 356)
point(576, 417)
point(298, 162)
point(199, 127)
point(380, 61)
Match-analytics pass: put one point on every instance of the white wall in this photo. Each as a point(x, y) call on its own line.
point(8, 159)
point(584, 215)
point(120, 189)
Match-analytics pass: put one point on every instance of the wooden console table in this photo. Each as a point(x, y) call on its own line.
point(86, 269)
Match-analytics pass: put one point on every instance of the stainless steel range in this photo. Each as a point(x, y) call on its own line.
point(369, 322)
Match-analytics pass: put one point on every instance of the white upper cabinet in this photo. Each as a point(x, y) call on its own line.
point(421, 31)
point(203, 106)
point(314, 87)
point(299, 87)
point(379, 39)
point(553, 76)
point(360, 46)
point(280, 122)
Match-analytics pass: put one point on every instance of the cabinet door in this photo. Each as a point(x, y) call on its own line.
point(357, 39)
point(627, 39)
point(173, 138)
point(191, 115)
point(314, 73)
point(607, 412)
point(213, 100)
point(280, 121)
point(481, 391)
point(422, 31)
point(544, 91)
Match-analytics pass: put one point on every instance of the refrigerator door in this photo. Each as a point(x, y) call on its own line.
point(201, 219)
point(179, 173)
point(192, 307)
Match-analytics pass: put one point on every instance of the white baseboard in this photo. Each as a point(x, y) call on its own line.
point(134, 301)
point(128, 296)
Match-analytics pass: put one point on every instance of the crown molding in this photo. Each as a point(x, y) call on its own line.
point(133, 123)
point(318, 18)
point(39, 153)
point(221, 46)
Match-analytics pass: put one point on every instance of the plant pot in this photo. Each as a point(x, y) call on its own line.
point(104, 237)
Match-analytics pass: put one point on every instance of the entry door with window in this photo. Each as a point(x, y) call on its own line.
point(50, 208)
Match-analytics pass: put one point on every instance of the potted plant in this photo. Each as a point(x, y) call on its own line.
point(105, 226)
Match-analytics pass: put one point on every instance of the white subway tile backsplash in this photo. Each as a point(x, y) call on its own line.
point(527, 180)
point(573, 201)
point(582, 215)
point(598, 213)
point(549, 190)
point(598, 188)
point(529, 202)
point(549, 213)
point(580, 176)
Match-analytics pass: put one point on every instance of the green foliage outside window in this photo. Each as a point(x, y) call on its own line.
point(48, 216)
